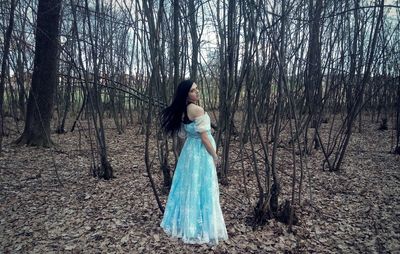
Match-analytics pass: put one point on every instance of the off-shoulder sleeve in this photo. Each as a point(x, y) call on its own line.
point(202, 123)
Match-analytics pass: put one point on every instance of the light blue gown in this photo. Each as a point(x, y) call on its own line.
point(193, 212)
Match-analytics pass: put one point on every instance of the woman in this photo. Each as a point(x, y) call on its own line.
point(193, 212)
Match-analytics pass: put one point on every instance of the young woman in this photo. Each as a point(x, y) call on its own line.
point(193, 212)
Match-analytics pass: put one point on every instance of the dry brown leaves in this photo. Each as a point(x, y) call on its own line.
point(354, 211)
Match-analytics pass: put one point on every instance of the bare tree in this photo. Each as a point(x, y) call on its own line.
point(397, 123)
point(154, 30)
point(6, 51)
point(44, 78)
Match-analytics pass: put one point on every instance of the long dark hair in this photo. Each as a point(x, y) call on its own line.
point(171, 117)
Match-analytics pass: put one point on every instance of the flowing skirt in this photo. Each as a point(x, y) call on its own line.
point(193, 211)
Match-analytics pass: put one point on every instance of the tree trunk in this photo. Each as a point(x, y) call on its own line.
point(276, 187)
point(360, 90)
point(195, 45)
point(154, 47)
point(7, 40)
point(313, 70)
point(397, 147)
point(67, 103)
point(175, 47)
point(44, 78)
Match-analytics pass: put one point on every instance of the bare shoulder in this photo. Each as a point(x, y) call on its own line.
point(194, 111)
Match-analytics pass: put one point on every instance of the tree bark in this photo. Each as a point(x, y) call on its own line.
point(175, 47)
point(154, 29)
point(44, 78)
point(313, 81)
point(397, 147)
point(195, 45)
point(7, 40)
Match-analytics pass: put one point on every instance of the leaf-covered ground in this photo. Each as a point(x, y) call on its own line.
point(356, 210)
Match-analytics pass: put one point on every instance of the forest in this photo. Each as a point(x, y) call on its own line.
point(304, 101)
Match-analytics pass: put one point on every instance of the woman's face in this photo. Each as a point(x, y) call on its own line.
point(193, 94)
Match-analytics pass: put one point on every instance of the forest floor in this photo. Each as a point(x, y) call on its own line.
point(355, 210)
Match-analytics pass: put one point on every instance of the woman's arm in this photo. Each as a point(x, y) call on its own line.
point(195, 111)
point(207, 143)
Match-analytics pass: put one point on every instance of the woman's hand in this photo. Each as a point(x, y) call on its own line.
point(217, 162)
